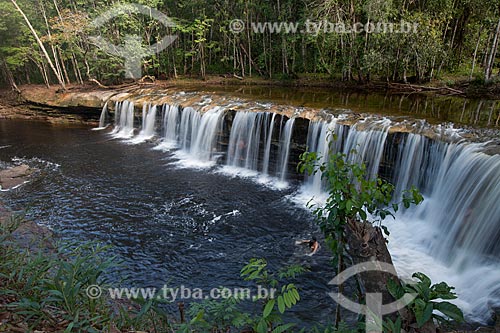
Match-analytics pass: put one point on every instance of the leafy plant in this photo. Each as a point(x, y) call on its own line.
point(428, 300)
point(222, 315)
point(287, 293)
point(219, 315)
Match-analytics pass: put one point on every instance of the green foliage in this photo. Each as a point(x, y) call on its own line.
point(428, 299)
point(286, 297)
point(218, 315)
point(47, 289)
point(225, 314)
point(351, 196)
point(448, 33)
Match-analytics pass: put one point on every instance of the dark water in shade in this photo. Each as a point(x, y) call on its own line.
point(434, 109)
point(170, 225)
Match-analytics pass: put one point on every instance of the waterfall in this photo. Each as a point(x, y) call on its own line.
point(250, 146)
point(284, 150)
point(144, 115)
point(319, 140)
point(365, 143)
point(148, 129)
point(463, 200)
point(189, 123)
point(148, 124)
point(195, 136)
point(245, 140)
point(453, 235)
point(102, 119)
point(124, 117)
point(171, 126)
point(268, 140)
point(204, 138)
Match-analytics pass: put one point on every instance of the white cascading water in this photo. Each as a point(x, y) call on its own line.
point(269, 130)
point(245, 140)
point(454, 233)
point(320, 140)
point(171, 124)
point(124, 117)
point(250, 142)
point(189, 123)
point(204, 139)
point(452, 236)
point(148, 124)
point(102, 119)
point(284, 150)
point(365, 143)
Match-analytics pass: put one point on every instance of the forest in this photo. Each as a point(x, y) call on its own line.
point(50, 41)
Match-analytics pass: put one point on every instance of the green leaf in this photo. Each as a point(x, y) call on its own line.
point(198, 318)
point(348, 205)
point(450, 310)
point(386, 231)
point(262, 326)
point(426, 281)
point(296, 294)
point(424, 315)
point(442, 290)
point(269, 308)
point(395, 289)
point(288, 301)
point(281, 304)
point(283, 328)
point(395, 207)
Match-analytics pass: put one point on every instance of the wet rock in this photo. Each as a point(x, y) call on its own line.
point(14, 176)
point(33, 237)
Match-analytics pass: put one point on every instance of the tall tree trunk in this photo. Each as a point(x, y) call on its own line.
point(42, 47)
point(52, 46)
point(10, 77)
point(63, 65)
point(475, 52)
point(493, 53)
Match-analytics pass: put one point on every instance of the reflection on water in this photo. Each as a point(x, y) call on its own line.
point(435, 109)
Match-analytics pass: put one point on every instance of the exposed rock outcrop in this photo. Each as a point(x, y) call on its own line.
point(14, 177)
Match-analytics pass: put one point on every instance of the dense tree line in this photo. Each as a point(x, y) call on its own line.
point(50, 41)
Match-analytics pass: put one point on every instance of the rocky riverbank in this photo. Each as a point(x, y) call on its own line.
point(26, 234)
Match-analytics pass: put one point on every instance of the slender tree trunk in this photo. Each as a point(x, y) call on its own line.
point(42, 47)
point(493, 52)
point(493, 104)
point(43, 70)
point(52, 46)
point(63, 65)
point(10, 77)
point(475, 52)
